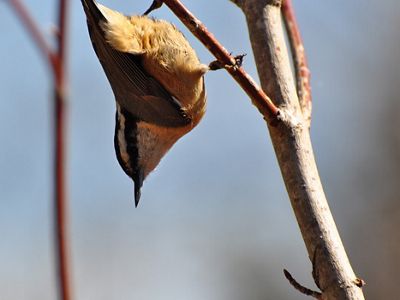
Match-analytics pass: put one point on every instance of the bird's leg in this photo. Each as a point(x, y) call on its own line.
point(155, 5)
point(217, 65)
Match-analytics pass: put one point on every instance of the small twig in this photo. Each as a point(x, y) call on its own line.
point(299, 60)
point(256, 94)
point(302, 289)
point(359, 282)
point(61, 39)
point(34, 32)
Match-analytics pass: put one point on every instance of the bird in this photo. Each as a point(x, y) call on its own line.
point(158, 83)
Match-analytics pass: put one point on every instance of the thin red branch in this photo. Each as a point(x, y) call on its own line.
point(257, 95)
point(61, 229)
point(299, 59)
point(61, 38)
point(61, 219)
point(34, 31)
point(57, 61)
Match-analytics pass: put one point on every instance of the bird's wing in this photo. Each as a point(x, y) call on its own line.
point(135, 90)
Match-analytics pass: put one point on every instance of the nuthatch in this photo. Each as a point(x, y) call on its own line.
point(157, 81)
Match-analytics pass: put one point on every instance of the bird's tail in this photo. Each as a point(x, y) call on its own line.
point(92, 11)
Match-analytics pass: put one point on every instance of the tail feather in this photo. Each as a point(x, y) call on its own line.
point(93, 13)
point(95, 18)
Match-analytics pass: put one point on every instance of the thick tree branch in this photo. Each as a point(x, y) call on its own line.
point(293, 148)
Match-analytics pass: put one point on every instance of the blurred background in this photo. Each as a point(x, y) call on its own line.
point(214, 220)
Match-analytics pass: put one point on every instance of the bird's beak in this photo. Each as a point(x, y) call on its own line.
point(138, 182)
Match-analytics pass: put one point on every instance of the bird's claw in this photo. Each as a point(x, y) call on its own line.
point(155, 5)
point(217, 65)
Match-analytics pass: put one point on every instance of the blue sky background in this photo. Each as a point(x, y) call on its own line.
point(214, 220)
